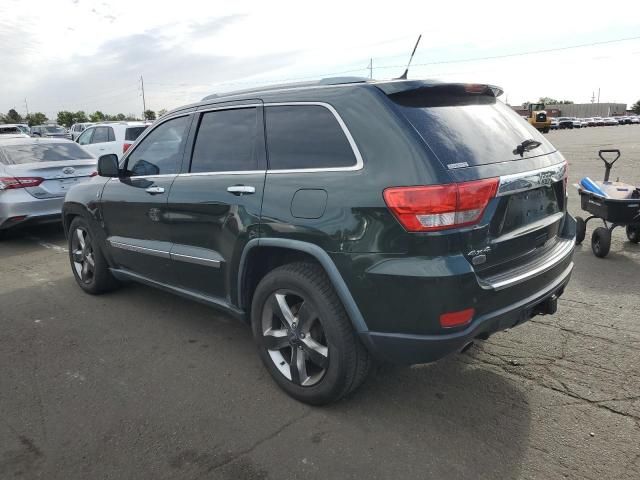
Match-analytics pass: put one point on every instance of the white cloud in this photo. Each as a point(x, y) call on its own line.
point(85, 54)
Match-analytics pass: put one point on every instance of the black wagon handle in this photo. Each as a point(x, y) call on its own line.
point(608, 164)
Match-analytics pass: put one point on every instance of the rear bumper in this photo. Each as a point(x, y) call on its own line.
point(412, 349)
point(19, 208)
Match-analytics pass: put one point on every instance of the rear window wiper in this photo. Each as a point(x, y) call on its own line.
point(526, 146)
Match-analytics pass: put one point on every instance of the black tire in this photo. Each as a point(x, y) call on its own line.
point(545, 130)
point(581, 230)
point(346, 362)
point(601, 242)
point(98, 278)
point(633, 233)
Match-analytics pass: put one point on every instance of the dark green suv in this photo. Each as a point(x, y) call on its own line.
point(344, 220)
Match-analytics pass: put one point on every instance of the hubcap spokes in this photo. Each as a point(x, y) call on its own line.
point(82, 255)
point(294, 338)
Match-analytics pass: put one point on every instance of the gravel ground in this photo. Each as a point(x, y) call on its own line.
point(142, 384)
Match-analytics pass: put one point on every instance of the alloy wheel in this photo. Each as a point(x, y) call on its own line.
point(82, 255)
point(293, 335)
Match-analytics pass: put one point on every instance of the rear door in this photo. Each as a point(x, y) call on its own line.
point(134, 206)
point(214, 205)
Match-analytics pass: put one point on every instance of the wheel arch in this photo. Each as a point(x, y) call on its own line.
point(279, 251)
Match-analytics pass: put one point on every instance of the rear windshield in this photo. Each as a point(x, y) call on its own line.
point(469, 130)
point(54, 129)
point(42, 152)
point(132, 133)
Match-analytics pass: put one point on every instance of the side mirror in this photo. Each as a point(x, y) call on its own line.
point(108, 165)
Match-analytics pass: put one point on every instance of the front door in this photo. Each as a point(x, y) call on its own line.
point(214, 206)
point(134, 206)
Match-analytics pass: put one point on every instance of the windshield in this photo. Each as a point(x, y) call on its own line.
point(469, 131)
point(54, 129)
point(42, 152)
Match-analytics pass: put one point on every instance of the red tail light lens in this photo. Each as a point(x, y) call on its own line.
point(439, 207)
point(11, 183)
point(94, 174)
point(456, 319)
point(125, 147)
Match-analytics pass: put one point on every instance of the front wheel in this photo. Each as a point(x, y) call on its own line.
point(88, 265)
point(601, 242)
point(304, 335)
point(633, 233)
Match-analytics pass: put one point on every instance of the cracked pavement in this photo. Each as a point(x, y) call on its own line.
point(142, 384)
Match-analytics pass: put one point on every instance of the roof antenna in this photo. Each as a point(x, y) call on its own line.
point(404, 75)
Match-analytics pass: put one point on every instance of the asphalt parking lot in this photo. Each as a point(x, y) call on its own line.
point(142, 384)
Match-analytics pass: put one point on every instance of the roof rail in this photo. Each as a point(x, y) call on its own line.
point(284, 86)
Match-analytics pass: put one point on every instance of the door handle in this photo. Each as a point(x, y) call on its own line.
point(241, 189)
point(154, 190)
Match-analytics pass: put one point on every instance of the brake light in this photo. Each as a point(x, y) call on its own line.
point(438, 207)
point(125, 147)
point(12, 183)
point(94, 174)
point(456, 319)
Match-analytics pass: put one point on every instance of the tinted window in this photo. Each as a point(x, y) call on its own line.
point(9, 130)
point(160, 152)
point(306, 136)
point(54, 129)
point(85, 138)
point(100, 135)
point(475, 134)
point(111, 135)
point(132, 133)
point(226, 141)
point(42, 152)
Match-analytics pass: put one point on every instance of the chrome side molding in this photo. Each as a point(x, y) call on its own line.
point(520, 182)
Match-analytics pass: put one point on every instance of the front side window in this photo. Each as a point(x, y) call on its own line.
point(306, 136)
point(160, 152)
point(226, 141)
point(85, 138)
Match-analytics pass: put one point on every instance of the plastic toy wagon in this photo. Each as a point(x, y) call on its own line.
point(617, 204)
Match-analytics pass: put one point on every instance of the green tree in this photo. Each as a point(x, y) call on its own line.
point(36, 118)
point(80, 117)
point(65, 118)
point(121, 117)
point(162, 112)
point(553, 101)
point(97, 116)
point(149, 115)
point(13, 117)
point(636, 107)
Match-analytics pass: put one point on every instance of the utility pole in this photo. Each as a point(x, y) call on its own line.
point(26, 106)
point(598, 94)
point(370, 67)
point(144, 104)
point(593, 97)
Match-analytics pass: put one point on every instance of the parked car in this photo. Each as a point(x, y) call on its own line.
point(49, 131)
point(116, 138)
point(635, 120)
point(20, 126)
point(35, 174)
point(610, 121)
point(554, 124)
point(599, 121)
point(10, 130)
point(388, 235)
point(77, 128)
point(577, 123)
point(591, 122)
point(565, 122)
point(584, 122)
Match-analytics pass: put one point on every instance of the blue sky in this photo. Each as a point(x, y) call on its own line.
point(89, 54)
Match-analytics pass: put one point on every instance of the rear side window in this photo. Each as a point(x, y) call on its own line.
point(306, 136)
point(111, 135)
point(42, 152)
point(100, 135)
point(226, 141)
point(4, 130)
point(132, 133)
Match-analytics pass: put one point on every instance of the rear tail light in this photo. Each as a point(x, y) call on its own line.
point(439, 207)
point(456, 319)
point(11, 183)
point(94, 174)
point(125, 147)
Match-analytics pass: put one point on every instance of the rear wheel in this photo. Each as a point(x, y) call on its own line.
point(581, 230)
point(633, 233)
point(601, 242)
point(304, 335)
point(545, 130)
point(89, 266)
